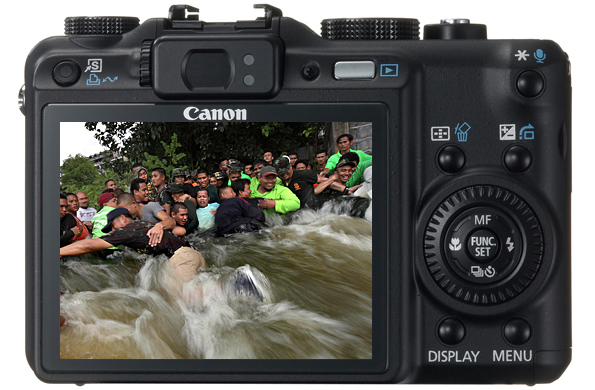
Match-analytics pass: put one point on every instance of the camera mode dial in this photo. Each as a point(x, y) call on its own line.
point(483, 245)
point(99, 25)
point(370, 29)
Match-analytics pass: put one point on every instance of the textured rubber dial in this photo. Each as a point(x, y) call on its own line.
point(483, 245)
point(99, 25)
point(370, 29)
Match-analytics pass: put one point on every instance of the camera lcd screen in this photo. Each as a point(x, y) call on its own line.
point(268, 248)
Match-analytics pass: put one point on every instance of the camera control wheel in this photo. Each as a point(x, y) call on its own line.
point(99, 25)
point(370, 29)
point(483, 245)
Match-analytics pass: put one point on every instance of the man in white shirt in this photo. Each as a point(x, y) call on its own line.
point(85, 213)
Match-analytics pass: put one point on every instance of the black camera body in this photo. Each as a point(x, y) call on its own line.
point(472, 138)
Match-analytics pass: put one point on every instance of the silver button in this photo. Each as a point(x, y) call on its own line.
point(350, 70)
point(455, 21)
point(22, 99)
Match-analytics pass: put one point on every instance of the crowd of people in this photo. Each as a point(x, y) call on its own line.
point(154, 216)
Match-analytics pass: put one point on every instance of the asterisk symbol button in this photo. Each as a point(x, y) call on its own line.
point(522, 55)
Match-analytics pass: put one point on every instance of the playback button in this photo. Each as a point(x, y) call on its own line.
point(355, 70)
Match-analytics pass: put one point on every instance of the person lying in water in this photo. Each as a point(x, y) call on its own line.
point(122, 229)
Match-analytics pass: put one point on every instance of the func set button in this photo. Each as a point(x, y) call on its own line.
point(483, 245)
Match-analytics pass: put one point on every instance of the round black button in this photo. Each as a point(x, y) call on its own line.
point(66, 73)
point(517, 159)
point(451, 331)
point(517, 331)
point(483, 245)
point(530, 83)
point(451, 159)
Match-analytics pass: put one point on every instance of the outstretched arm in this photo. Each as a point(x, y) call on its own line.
point(84, 246)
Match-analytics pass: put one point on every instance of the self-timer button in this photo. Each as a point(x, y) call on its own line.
point(66, 73)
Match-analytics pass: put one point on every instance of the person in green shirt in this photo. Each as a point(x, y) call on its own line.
point(235, 171)
point(107, 201)
point(361, 166)
point(344, 142)
point(276, 197)
point(256, 168)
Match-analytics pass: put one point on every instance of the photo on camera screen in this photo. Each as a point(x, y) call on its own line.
point(216, 240)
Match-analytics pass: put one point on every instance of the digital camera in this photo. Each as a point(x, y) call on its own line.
point(459, 274)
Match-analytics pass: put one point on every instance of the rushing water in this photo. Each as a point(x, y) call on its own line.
point(316, 277)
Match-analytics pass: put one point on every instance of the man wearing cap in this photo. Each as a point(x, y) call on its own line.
point(180, 177)
point(275, 198)
point(123, 230)
point(301, 182)
point(107, 202)
point(344, 169)
point(343, 172)
point(354, 181)
point(256, 168)
point(184, 209)
point(221, 178)
point(344, 142)
point(235, 171)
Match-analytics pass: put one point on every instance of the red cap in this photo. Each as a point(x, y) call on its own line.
point(106, 197)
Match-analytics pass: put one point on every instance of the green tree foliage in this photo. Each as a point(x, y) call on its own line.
point(202, 144)
point(171, 159)
point(80, 174)
point(78, 171)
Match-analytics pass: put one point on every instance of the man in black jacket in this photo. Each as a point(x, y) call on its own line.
point(68, 225)
point(236, 215)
